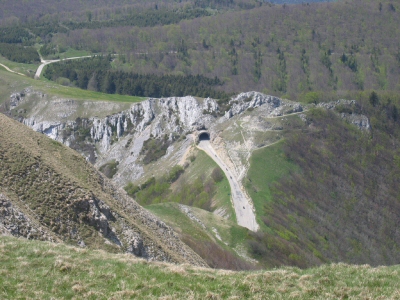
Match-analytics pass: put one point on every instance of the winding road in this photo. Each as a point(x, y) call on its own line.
point(244, 211)
point(242, 204)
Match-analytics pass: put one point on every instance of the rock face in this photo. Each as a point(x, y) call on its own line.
point(361, 121)
point(15, 222)
point(252, 100)
point(116, 137)
point(161, 116)
point(107, 132)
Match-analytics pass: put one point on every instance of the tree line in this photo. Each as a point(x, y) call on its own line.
point(96, 74)
point(14, 35)
point(147, 18)
point(19, 53)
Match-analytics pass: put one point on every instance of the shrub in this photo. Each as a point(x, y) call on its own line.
point(175, 173)
point(63, 81)
point(109, 169)
point(153, 149)
point(217, 174)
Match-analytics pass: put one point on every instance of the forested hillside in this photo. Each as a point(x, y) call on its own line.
point(298, 51)
point(331, 190)
point(96, 74)
point(31, 11)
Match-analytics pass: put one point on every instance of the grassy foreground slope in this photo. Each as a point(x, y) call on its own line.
point(59, 271)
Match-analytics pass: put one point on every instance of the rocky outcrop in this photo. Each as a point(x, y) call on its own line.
point(15, 222)
point(163, 116)
point(251, 100)
point(361, 121)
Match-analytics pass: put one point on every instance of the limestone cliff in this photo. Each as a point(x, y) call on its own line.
point(107, 132)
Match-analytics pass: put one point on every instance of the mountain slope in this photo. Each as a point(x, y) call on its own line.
point(329, 192)
point(64, 196)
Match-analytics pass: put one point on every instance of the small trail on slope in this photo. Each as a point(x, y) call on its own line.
point(9, 70)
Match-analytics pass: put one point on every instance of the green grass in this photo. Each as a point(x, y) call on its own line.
point(229, 231)
point(267, 165)
point(54, 89)
point(223, 197)
point(215, 239)
point(19, 67)
point(74, 53)
point(13, 82)
point(39, 270)
point(70, 52)
point(170, 213)
point(203, 165)
point(10, 83)
point(194, 187)
point(80, 94)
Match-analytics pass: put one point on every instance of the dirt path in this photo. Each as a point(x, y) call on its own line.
point(9, 70)
point(243, 207)
point(46, 62)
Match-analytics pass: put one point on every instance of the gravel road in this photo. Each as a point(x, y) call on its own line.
point(244, 212)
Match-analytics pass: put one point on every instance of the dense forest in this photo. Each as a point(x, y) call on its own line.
point(19, 53)
point(327, 47)
point(299, 51)
point(96, 74)
point(28, 11)
point(14, 35)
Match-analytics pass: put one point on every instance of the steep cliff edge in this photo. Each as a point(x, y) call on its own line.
point(50, 192)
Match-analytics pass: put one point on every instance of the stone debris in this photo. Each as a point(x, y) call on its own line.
point(187, 210)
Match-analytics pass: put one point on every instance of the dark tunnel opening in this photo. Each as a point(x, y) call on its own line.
point(204, 136)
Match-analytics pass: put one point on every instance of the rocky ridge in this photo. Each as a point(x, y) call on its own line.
point(120, 136)
point(50, 192)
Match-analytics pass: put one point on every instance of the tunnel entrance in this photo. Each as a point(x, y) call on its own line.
point(204, 136)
